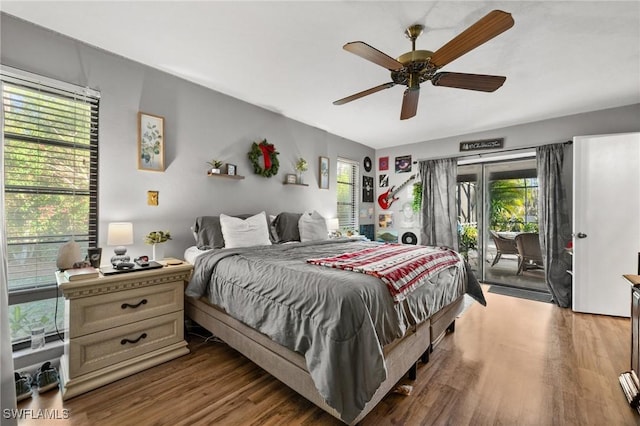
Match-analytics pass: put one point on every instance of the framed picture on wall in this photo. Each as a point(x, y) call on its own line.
point(383, 163)
point(403, 164)
point(231, 169)
point(291, 178)
point(367, 189)
point(150, 142)
point(324, 173)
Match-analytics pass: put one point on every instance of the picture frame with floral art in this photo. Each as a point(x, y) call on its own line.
point(150, 142)
point(324, 173)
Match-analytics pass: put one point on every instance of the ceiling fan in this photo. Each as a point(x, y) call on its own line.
point(418, 66)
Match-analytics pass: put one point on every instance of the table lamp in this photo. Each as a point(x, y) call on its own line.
point(332, 226)
point(120, 234)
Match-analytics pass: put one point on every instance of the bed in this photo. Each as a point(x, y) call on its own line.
point(338, 337)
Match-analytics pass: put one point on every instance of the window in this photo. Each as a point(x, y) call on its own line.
point(50, 145)
point(347, 189)
point(514, 201)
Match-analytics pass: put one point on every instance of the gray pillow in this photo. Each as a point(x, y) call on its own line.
point(209, 231)
point(286, 225)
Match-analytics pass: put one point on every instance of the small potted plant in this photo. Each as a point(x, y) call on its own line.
point(215, 167)
point(156, 238)
point(301, 166)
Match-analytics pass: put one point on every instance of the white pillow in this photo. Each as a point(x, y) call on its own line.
point(313, 227)
point(252, 231)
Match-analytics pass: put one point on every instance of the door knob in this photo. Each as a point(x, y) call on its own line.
point(581, 235)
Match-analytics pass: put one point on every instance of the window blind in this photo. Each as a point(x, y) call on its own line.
point(347, 194)
point(50, 142)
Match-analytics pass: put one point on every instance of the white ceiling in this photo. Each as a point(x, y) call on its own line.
point(560, 58)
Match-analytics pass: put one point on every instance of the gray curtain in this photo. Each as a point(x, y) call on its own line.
point(439, 215)
point(554, 218)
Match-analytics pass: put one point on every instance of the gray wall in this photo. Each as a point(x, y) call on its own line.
point(561, 129)
point(200, 124)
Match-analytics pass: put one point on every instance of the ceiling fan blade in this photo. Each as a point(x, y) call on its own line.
point(484, 83)
point(410, 103)
point(372, 54)
point(364, 93)
point(494, 23)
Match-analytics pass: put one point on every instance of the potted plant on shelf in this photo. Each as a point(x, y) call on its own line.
point(301, 167)
point(156, 238)
point(215, 167)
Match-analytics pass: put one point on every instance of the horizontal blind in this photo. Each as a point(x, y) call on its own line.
point(50, 142)
point(347, 194)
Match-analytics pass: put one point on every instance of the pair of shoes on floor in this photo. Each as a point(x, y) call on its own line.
point(46, 379)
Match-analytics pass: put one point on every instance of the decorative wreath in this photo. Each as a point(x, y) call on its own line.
point(269, 165)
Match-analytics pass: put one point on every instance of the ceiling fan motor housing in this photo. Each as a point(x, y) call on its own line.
point(416, 63)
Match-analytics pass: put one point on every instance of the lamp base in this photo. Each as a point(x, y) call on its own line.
point(120, 256)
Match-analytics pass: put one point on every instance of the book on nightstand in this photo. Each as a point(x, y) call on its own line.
point(76, 274)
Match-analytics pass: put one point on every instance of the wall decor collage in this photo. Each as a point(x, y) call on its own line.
point(389, 227)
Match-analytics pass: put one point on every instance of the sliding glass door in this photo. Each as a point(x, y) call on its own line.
point(498, 201)
point(469, 199)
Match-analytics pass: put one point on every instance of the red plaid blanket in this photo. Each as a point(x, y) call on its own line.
point(401, 267)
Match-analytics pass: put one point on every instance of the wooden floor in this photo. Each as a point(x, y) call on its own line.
point(515, 362)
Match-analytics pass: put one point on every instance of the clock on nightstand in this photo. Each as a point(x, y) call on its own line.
point(119, 325)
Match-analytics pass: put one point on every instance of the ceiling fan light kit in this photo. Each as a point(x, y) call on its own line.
point(417, 66)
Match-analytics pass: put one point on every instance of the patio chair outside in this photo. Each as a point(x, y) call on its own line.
point(530, 256)
point(503, 246)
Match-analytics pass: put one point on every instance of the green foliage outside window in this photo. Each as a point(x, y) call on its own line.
point(514, 205)
point(24, 315)
point(467, 238)
point(50, 172)
point(417, 197)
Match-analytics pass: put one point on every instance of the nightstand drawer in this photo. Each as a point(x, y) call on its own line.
point(99, 350)
point(101, 312)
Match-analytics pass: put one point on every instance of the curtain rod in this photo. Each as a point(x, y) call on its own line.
point(480, 155)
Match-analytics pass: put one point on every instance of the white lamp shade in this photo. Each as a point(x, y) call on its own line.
point(333, 224)
point(120, 234)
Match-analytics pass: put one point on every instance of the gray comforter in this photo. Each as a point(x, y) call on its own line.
point(338, 320)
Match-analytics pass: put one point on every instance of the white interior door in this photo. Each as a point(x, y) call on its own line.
point(606, 221)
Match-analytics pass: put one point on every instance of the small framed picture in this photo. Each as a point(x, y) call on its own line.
point(383, 163)
point(291, 178)
point(231, 169)
point(152, 198)
point(324, 173)
point(150, 142)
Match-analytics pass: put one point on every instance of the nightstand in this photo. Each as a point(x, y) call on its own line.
point(121, 324)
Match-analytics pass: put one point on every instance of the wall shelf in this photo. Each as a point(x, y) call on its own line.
point(297, 184)
point(224, 175)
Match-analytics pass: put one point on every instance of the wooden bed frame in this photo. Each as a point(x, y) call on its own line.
point(290, 368)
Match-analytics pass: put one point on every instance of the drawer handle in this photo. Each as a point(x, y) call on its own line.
point(125, 341)
point(127, 305)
